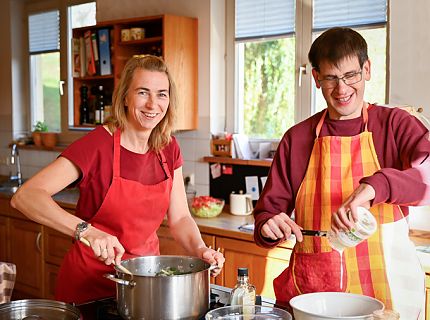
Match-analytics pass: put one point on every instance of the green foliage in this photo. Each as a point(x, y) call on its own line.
point(269, 87)
point(40, 126)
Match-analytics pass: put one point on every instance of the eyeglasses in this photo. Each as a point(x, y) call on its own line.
point(333, 81)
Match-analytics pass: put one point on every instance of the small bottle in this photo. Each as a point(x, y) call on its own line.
point(364, 227)
point(243, 293)
point(386, 315)
point(100, 106)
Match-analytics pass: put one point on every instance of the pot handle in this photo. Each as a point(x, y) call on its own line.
point(113, 278)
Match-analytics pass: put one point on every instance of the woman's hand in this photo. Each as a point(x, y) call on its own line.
point(281, 226)
point(345, 217)
point(106, 247)
point(213, 258)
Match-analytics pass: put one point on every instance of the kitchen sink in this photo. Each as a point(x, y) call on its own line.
point(9, 187)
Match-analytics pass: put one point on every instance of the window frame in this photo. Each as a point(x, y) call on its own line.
point(304, 95)
point(67, 134)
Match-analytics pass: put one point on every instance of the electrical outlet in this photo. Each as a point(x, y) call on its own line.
point(190, 178)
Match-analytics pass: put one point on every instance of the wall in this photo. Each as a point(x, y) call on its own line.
point(210, 15)
point(409, 46)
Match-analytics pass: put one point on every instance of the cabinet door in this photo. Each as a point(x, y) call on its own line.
point(263, 265)
point(26, 253)
point(427, 306)
point(55, 245)
point(51, 272)
point(168, 245)
point(4, 256)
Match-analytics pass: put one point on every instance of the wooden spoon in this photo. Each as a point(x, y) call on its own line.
point(119, 266)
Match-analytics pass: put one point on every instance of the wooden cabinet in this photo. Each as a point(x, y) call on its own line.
point(171, 37)
point(55, 247)
point(263, 265)
point(25, 240)
point(169, 246)
point(4, 234)
point(37, 252)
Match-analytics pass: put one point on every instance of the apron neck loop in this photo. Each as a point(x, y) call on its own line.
point(321, 121)
point(116, 152)
point(162, 158)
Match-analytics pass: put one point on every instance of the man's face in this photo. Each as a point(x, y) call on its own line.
point(343, 101)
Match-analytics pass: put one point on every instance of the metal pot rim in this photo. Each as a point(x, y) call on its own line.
point(128, 261)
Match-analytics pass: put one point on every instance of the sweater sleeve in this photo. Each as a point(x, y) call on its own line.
point(277, 195)
point(408, 185)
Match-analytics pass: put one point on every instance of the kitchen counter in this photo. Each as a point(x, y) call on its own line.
point(228, 225)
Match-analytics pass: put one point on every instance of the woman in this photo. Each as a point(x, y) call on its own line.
point(129, 175)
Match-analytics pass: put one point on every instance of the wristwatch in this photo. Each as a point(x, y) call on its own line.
point(81, 227)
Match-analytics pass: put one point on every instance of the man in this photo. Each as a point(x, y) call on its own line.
point(351, 154)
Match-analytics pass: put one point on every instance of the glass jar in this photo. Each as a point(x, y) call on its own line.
point(365, 226)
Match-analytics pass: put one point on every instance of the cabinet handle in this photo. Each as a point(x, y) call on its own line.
point(39, 236)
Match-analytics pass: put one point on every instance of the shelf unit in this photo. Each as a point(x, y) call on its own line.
point(173, 38)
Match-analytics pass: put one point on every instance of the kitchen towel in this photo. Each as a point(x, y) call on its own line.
point(7, 280)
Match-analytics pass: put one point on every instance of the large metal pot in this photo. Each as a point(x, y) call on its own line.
point(146, 295)
point(38, 309)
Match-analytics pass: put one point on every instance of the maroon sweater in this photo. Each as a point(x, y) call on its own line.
point(402, 146)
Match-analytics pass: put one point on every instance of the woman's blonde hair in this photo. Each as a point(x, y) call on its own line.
point(161, 134)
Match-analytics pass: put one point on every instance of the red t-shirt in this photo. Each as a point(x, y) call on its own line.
point(93, 155)
point(402, 146)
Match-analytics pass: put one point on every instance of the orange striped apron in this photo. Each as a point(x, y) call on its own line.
point(385, 266)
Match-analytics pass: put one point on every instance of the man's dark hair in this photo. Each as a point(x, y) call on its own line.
point(336, 44)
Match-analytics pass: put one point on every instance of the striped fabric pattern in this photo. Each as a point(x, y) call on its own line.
point(7, 280)
point(335, 168)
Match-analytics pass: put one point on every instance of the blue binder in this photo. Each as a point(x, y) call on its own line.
point(104, 47)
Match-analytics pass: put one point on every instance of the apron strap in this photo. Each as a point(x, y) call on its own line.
point(116, 152)
point(321, 121)
point(162, 158)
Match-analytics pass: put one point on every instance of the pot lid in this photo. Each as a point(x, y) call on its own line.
point(38, 309)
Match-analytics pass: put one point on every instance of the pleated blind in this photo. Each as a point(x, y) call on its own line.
point(348, 13)
point(44, 32)
point(264, 18)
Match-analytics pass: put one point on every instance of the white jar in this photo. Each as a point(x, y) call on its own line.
point(364, 227)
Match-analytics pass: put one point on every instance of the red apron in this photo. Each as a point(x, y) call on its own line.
point(335, 167)
point(133, 213)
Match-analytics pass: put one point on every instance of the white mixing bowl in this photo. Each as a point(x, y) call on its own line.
point(334, 306)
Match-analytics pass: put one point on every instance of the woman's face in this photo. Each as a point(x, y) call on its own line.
point(147, 99)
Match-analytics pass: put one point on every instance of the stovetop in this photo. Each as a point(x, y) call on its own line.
point(106, 309)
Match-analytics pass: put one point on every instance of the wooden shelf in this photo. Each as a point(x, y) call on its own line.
point(242, 162)
point(143, 41)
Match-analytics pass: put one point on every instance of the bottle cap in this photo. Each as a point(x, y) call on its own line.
point(242, 272)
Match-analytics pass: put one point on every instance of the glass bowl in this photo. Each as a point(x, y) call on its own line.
point(248, 312)
point(206, 206)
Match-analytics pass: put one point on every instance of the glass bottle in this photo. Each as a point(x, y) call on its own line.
point(100, 106)
point(84, 107)
point(244, 292)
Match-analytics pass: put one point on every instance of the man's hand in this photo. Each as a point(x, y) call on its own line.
point(281, 226)
point(345, 217)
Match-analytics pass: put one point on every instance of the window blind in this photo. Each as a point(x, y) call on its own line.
point(44, 32)
point(264, 18)
point(348, 13)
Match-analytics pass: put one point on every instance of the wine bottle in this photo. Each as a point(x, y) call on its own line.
point(100, 106)
point(84, 107)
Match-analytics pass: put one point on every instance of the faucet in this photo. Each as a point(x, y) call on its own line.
point(15, 160)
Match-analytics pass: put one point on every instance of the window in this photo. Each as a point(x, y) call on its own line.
point(274, 85)
point(45, 55)
point(44, 44)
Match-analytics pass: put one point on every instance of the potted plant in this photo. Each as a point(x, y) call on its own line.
point(47, 139)
point(39, 127)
